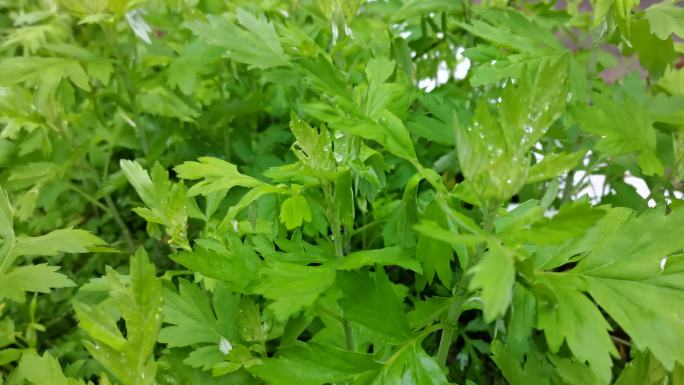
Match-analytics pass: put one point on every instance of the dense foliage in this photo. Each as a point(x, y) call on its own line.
point(341, 192)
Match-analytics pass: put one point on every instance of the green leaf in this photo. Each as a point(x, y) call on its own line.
point(292, 287)
point(571, 221)
point(6, 231)
point(139, 303)
point(192, 320)
point(522, 321)
point(532, 45)
point(534, 372)
point(412, 8)
point(314, 364)
point(97, 322)
point(553, 165)
point(627, 275)
point(237, 266)
point(493, 150)
point(388, 130)
point(572, 317)
point(665, 19)
point(494, 276)
point(369, 299)
point(654, 53)
point(623, 128)
point(397, 256)
point(294, 211)
point(218, 175)
point(643, 369)
point(166, 201)
point(574, 373)
point(254, 43)
point(39, 278)
point(20, 69)
point(44, 370)
point(435, 255)
point(58, 241)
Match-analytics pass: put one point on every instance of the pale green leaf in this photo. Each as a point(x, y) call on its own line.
point(294, 211)
point(217, 175)
point(494, 276)
point(39, 278)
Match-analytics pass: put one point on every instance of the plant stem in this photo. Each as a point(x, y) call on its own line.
point(461, 292)
point(127, 84)
point(335, 227)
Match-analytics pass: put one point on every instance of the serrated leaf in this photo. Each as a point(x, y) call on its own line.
point(314, 364)
point(292, 287)
point(58, 241)
point(192, 320)
point(294, 211)
point(573, 318)
point(494, 276)
point(44, 370)
point(369, 299)
point(397, 256)
point(435, 255)
point(571, 221)
point(138, 300)
point(665, 19)
point(254, 43)
point(218, 175)
point(39, 278)
point(237, 266)
point(627, 275)
point(553, 165)
point(623, 127)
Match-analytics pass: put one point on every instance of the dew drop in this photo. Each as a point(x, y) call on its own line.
point(663, 263)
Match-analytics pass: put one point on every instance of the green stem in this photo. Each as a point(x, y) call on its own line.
point(461, 292)
point(334, 220)
point(119, 221)
point(127, 84)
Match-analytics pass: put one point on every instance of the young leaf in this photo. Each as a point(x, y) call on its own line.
point(139, 303)
point(294, 211)
point(218, 175)
point(165, 201)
